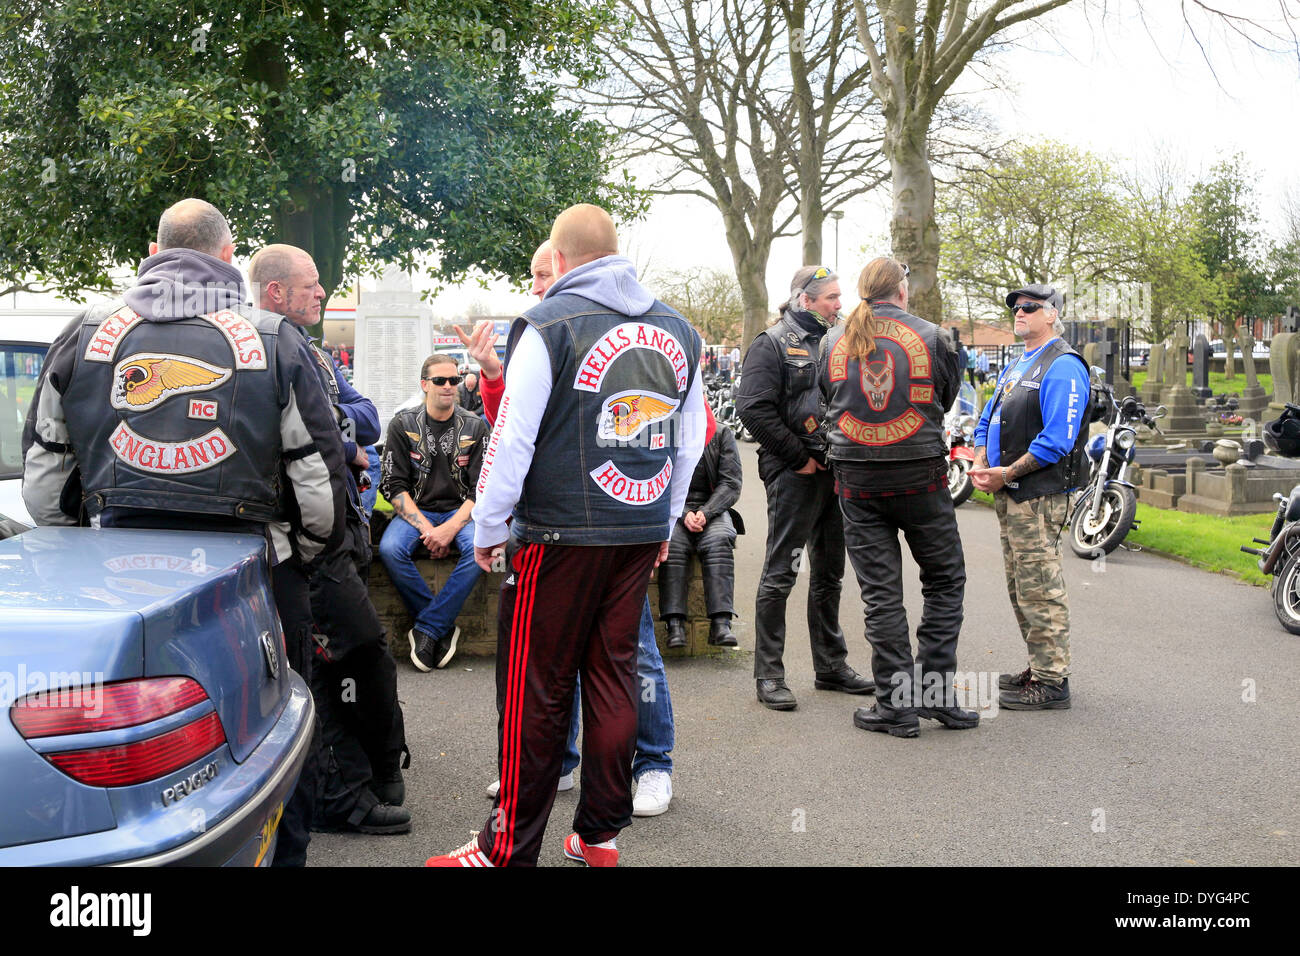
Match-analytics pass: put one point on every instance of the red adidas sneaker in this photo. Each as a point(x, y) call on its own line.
point(575, 849)
point(468, 855)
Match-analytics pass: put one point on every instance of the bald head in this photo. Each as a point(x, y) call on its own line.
point(581, 234)
point(543, 269)
point(194, 224)
point(285, 280)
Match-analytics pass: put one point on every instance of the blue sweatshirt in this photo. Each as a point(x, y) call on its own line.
point(1064, 378)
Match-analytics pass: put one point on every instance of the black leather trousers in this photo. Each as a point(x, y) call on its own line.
point(715, 546)
point(805, 534)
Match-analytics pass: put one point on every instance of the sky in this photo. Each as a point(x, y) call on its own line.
point(1113, 85)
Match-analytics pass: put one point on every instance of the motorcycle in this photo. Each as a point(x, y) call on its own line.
point(959, 431)
point(1281, 555)
point(1106, 510)
point(723, 402)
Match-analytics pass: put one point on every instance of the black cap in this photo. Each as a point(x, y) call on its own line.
point(1046, 293)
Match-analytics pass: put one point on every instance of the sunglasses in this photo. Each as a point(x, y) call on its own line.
point(821, 273)
point(444, 379)
point(1029, 308)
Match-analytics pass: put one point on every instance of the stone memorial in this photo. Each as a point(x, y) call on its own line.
point(1201, 369)
point(1155, 382)
point(394, 335)
point(1284, 363)
point(1184, 414)
point(1254, 400)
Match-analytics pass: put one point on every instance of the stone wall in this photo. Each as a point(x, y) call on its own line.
point(478, 618)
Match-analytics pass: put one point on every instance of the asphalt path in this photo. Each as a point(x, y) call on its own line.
point(1180, 748)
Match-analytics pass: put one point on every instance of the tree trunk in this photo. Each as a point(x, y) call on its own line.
point(1229, 347)
point(316, 218)
point(913, 231)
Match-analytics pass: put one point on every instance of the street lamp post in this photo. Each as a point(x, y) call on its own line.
point(837, 215)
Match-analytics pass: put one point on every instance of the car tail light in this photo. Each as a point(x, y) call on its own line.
point(75, 710)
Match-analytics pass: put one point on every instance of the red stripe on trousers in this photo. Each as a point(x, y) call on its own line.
point(521, 691)
point(530, 563)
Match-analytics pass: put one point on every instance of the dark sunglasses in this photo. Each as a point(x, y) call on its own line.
point(1029, 308)
point(444, 379)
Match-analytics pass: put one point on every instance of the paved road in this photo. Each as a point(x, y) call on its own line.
point(1161, 760)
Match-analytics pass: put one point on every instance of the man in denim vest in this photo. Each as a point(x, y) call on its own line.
point(599, 431)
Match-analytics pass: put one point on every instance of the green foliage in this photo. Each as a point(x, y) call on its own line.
point(1231, 244)
point(1204, 541)
point(1044, 213)
point(368, 132)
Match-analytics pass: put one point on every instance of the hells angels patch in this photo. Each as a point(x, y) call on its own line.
point(147, 379)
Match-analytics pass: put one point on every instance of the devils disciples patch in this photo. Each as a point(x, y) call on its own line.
point(146, 380)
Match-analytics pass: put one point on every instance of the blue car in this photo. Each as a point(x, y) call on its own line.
point(150, 716)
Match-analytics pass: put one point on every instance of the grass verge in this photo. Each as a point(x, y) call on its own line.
point(1203, 541)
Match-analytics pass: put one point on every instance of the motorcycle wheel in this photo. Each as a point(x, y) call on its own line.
point(959, 484)
point(1113, 522)
point(1286, 594)
point(743, 433)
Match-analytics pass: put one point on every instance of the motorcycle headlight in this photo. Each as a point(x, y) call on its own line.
point(1125, 439)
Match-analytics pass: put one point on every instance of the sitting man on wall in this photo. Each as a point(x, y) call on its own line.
point(706, 527)
point(431, 467)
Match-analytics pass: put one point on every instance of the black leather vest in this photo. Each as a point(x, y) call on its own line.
point(151, 408)
point(1022, 420)
point(800, 401)
point(604, 457)
point(886, 408)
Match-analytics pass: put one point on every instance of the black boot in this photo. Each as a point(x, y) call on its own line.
point(720, 632)
point(676, 632)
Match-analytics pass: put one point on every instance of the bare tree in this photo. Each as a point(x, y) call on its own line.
point(757, 108)
point(917, 51)
point(709, 299)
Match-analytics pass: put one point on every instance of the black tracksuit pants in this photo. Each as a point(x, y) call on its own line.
point(566, 610)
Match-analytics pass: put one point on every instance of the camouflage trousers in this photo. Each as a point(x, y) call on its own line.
point(1031, 555)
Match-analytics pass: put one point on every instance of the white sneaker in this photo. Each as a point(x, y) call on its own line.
point(654, 791)
point(565, 783)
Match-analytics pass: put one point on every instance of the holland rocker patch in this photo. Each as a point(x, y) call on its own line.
point(145, 380)
point(630, 490)
point(167, 458)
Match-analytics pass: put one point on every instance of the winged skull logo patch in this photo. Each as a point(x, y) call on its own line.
point(625, 414)
point(145, 380)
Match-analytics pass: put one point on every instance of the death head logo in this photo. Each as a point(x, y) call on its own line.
point(878, 382)
point(145, 380)
point(625, 414)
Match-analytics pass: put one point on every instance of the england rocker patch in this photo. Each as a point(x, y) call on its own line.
point(170, 458)
point(145, 380)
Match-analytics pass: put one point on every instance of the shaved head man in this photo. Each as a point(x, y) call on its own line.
point(194, 224)
point(543, 269)
point(285, 280)
point(582, 234)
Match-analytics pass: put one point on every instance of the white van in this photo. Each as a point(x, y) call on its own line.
point(24, 339)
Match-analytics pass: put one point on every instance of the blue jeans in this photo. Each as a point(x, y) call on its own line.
point(434, 616)
point(654, 713)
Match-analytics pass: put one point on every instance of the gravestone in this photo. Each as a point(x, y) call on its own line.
point(1201, 369)
point(1155, 382)
point(1092, 354)
point(1284, 363)
point(1230, 359)
point(1112, 339)
point(1254, 400)
point(1176, 362)
point(1184, 414)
